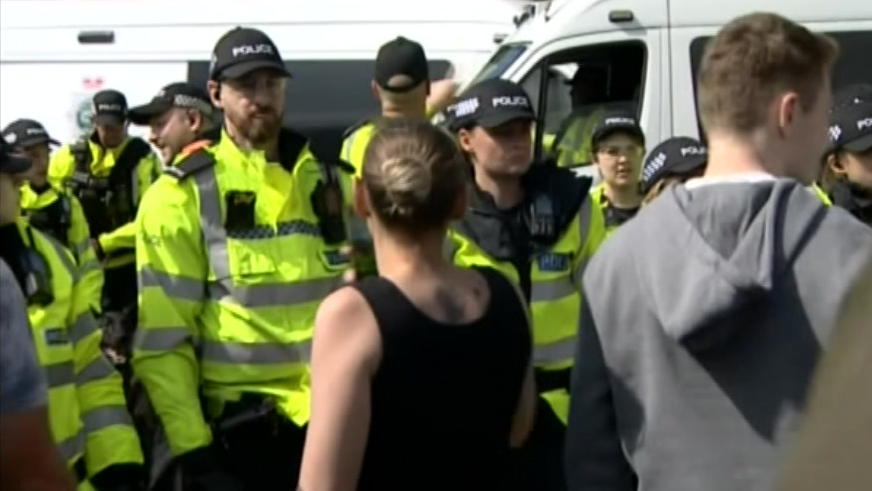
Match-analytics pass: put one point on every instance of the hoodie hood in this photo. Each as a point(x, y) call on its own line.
point(725, 247)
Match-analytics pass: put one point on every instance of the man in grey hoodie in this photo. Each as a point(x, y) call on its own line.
point(704, 316)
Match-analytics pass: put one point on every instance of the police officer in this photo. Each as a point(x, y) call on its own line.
point(87, 413)
point(849, 159)
point(842, 97)
point(618, 146)
point(673, 161)
point(238, 243)
point(176, 116)
point(401, 84)
point(535, 223)
point(51, 209)
point(109, 171)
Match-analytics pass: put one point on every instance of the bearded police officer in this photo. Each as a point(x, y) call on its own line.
point(238, 244)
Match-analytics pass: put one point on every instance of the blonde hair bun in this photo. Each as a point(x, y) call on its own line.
point(407, 183)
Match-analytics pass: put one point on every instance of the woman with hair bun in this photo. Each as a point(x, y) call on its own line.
point(421, 377)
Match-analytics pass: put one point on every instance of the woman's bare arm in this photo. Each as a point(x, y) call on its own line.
point(346, 351)
point(525, 414)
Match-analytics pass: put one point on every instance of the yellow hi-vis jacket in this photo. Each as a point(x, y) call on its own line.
point(119, 242)
point(229, 309)
point(555, 299)
point(356, 138)
point(78, 237)
point(86, 406)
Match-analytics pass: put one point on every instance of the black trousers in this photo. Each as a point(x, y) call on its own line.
point(264, 456)
point(538, 465)
point(119, 309)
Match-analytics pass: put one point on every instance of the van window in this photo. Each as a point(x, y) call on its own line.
point(325, 97)
point(852, 66)
point(500, 61)
point(581, 82)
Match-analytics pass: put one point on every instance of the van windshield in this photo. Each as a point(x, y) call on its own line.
point(500, 61)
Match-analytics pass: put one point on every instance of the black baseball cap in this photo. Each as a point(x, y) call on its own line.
point(243, 50)
point(178, 94)
point(490, 103)
point(401, 56)
point(851, 94)
point(851, 128)
point(675, 156)
point(10, 161)
point(617, 122)
point(23, 133)
point(109, 108)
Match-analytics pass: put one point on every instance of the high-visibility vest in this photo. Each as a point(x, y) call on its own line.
point(227, 310)
point(555, 299)
point(78, 236)
point(86, 406)
point(116, 244)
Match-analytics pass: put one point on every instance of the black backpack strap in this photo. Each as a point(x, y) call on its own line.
point(192, 164)
point(136, 150)
point(356, 126)
point(81, 152)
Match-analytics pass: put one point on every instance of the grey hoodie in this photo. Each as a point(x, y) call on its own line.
point(703, 319)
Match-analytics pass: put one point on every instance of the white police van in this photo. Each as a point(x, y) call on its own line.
point(650, 51)
point(54, 54)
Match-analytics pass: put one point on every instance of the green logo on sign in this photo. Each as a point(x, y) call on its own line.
point(83, 115)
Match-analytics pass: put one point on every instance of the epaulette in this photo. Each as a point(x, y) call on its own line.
point(194, 163)
point(356, 126)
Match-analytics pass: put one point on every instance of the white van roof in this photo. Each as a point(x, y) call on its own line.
point(568, 18)
point(180, 29)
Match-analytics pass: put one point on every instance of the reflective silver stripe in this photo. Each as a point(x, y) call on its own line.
point(255, 353)
point(554, 352)
point(215, 238)
point(349, 149)
point(98, 369)
point(161, 339)
point(267, 295)
point(84, 326)
point(551, 290)
point(72, 446)
point(214, 235)
point(59, 374)
point(102, 417)
point(64, 256)
point(253, 296)
point(174, 286)
point(584, 219)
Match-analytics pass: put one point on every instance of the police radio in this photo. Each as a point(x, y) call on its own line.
point(541, 218)
point(37, 276)
point(329, 206)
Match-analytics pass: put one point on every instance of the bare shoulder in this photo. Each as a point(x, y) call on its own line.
point(341, 304)
point(346, 327)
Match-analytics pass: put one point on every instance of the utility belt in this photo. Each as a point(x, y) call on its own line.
point(548, 380)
